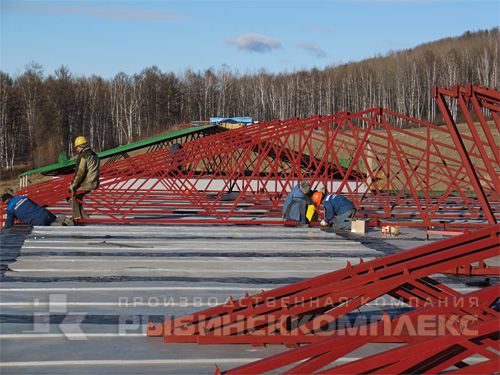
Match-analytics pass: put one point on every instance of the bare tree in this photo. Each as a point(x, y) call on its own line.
point(39, 117)
point(30, 84)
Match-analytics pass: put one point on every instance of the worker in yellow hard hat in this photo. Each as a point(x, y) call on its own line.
point(86, 177)
point(80, 141)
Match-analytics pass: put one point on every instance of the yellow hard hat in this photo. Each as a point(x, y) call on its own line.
point(80, 141)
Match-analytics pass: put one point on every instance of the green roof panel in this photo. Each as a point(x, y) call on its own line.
point(62, 164)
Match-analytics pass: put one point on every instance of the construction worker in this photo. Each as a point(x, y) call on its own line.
point(296, 203)
point(176, 150)
point(24, 209)
point(338, 209)
point(86, 177)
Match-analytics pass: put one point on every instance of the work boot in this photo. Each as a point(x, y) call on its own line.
point(69, 222)
point(59, 221)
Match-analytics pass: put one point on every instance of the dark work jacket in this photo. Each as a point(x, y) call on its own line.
point(86, 176)
point(336, 205)
point(295, 206)
point(25, 210)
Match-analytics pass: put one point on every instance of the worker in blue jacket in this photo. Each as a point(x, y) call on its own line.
point(24, 209)
point(338, 209)
point(296, 203)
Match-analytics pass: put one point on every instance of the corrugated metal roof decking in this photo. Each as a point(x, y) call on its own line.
point(134, 274)
point(230, 253)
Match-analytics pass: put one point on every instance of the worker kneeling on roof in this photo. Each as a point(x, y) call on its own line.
point(24, 209)
point(338, 209)
point(296, 203)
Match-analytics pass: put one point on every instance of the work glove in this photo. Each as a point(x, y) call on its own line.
point(323, 223)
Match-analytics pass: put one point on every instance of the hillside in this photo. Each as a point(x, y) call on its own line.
point(124, 109)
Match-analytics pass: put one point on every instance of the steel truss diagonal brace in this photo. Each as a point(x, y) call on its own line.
point(280, 314)
point(437, 337)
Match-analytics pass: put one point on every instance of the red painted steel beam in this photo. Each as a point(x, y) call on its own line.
point(428, 332)
point(385, 177)
point(432, 355)
point(331, 296)
point(452, 127)
point(479, 143)
point(486, 367)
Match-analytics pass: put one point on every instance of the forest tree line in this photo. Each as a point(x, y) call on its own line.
point(42, 115)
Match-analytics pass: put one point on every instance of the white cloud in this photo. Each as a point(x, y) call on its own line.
point(311, 48)
point(254, 43)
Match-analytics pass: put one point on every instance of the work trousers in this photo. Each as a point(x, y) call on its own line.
point(343, 221)
point(296, 211)
point(77, 207)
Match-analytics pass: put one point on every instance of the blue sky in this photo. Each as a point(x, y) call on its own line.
point(108, 37)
